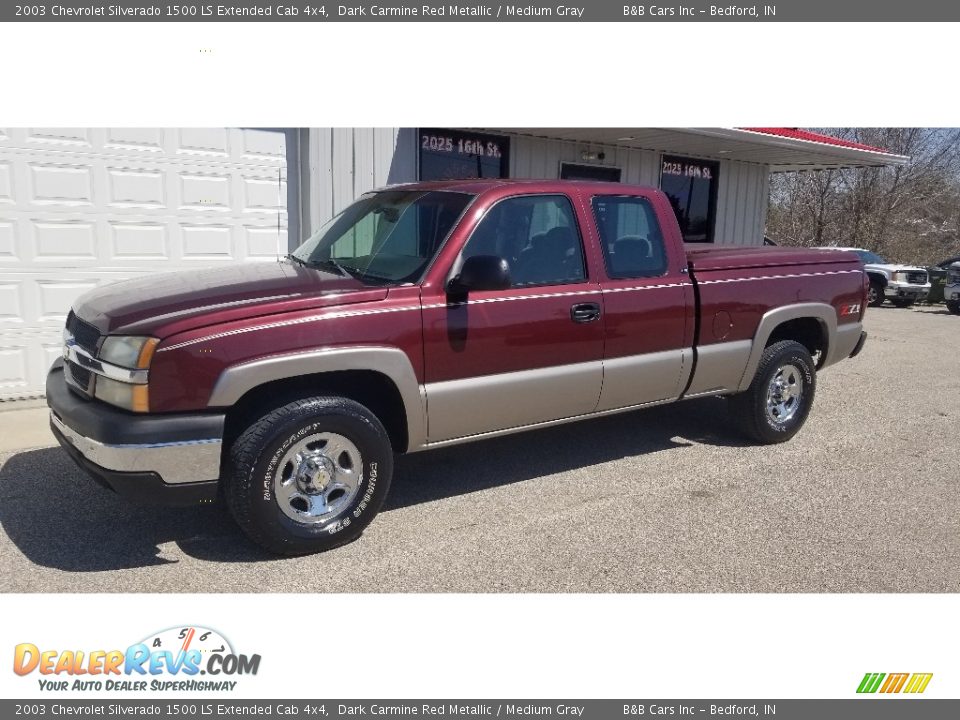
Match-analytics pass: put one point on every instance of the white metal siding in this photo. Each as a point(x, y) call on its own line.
point(346, 162)
point(741, 203)
point(85, 207)
point(541, 157)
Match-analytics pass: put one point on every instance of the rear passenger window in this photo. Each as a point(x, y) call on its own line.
point(537, 235)
point(630, 237)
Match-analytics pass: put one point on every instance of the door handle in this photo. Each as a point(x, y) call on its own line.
point(585, 312)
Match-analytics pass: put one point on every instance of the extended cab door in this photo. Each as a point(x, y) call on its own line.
point(647, 296)
point(508, 358)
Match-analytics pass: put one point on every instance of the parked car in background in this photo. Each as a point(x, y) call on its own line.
point(902, 285)
point(938, 278)
point(951, 291)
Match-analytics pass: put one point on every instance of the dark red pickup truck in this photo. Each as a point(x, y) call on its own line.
point(425, 315)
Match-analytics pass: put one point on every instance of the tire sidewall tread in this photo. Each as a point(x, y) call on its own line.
point(749, 407)
point(248, 483)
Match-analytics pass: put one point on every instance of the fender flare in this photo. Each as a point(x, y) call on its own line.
point(879, 277)
point(825, 314)
point(237, 380)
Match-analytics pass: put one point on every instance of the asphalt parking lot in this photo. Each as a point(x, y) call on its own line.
point(864, 499)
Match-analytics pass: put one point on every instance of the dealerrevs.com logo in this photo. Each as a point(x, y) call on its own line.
point(176, 659)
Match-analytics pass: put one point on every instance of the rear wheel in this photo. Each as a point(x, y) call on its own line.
point(309, 476)
point(875, 295)
point(775, 406)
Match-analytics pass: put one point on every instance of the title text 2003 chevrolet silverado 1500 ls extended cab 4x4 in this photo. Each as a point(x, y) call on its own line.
point(425, 315)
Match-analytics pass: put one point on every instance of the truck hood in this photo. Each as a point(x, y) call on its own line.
point(163, 304)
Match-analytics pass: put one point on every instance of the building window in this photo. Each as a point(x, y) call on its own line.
point(573, 171)
point(455, 154)
point(691, 186)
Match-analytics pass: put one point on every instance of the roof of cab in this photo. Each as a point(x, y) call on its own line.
point(479, 185)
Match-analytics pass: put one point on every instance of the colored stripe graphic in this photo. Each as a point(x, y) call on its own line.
point(870, 682)
point(894, 683)
point(918, 683)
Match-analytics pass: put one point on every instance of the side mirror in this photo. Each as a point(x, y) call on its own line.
point(480, 272)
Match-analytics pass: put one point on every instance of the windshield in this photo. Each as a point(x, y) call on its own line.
point(869, 257)
point(385, 237)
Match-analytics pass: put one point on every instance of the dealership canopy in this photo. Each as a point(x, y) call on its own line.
point(781, 149)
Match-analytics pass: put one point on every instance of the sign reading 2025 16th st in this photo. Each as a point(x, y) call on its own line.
point(182, 659)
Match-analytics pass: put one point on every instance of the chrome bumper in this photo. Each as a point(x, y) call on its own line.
point(175, 462)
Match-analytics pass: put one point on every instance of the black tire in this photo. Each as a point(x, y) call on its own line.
point(250, 484)
point(953, 306)
point(875, 295)
point(902, 303)
point(749, 408)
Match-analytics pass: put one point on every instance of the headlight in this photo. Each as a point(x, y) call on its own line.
point(894, 276)
point(131, 353)
point(128, 351)
point(129, 397)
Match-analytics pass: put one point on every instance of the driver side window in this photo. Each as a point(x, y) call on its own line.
point(537, 235)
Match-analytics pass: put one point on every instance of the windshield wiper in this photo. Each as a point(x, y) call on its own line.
point(340, 269)
point(328, 263)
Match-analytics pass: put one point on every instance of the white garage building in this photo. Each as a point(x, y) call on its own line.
point(82, 207)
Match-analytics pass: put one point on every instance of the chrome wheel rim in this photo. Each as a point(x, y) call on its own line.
point(872, 294)
point(784, 394)
point(317, 478)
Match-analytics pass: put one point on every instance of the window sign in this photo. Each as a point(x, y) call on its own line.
point(691, 186)
point(455, 154)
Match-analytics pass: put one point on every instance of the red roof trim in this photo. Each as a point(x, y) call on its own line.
point(797, 134)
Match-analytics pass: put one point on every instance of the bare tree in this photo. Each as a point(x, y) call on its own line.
point(910, 213)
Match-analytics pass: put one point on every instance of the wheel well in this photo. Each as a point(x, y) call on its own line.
point(878, 278)
point(372, 389)
point(807, 331)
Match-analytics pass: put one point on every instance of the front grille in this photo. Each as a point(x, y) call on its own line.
point(917, 277)
point(79, 377)
point(85, 334)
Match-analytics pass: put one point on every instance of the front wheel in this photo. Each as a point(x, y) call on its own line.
point(953, 306)
point(309, 476)
point(875, 295)
point(775, 406)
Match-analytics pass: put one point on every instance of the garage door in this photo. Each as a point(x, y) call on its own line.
point(81, 208)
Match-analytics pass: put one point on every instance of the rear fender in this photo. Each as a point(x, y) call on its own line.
point(825, 314)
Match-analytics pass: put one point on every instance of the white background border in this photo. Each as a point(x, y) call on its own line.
point(677, 74)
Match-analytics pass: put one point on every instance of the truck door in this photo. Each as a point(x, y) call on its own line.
point(508, 358)
point(648, 302)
